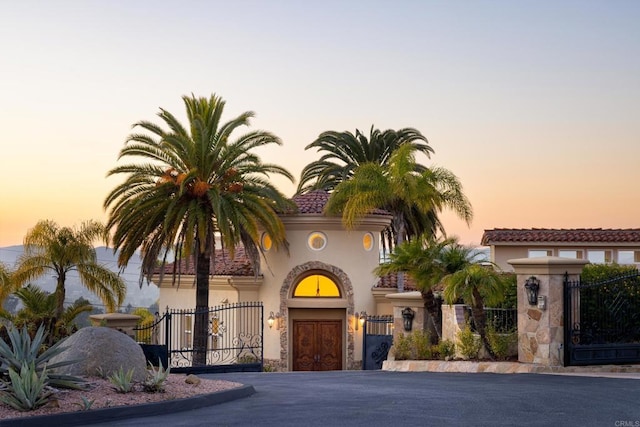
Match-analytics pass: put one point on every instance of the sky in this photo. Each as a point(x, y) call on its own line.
point(534, 105)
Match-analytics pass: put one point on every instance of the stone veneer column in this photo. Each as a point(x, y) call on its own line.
point(400, 302)
point(541, 332)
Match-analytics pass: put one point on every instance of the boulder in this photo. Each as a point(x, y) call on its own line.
point(101, 351)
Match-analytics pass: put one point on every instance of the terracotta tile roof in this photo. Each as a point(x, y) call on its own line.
point(313, 202)
point(582, 235)
point(390, 282)
point(223, 265)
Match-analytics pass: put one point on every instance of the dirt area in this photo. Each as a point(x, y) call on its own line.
point(102, 395)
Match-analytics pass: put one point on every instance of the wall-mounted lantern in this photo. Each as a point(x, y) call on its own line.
point(360, 319)
point(531, 285)
point(274, 319)
point(407, 318)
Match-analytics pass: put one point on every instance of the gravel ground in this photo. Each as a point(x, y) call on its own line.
point(103, 395)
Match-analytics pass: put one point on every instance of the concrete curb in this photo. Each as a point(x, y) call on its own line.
point(508, 368)
point(82, 418)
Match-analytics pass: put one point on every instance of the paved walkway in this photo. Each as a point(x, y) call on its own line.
point(382, 398)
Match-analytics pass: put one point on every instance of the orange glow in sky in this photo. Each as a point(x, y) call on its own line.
point(535, 106)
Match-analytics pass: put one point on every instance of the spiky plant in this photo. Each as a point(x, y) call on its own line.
point(156, 378)
point(24, 351)
point(26, 390)
point(122, 381)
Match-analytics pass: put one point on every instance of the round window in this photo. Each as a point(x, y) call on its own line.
point(367, 241)
point(265, 242)
point(317, 241)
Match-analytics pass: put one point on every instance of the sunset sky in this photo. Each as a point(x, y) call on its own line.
point(534, 105)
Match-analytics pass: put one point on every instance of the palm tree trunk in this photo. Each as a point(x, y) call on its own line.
point(477, 311)
point(60, 294)
point(398, 225)
point(201, 321)
point(435, 324)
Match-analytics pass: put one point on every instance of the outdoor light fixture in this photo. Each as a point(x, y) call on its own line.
point(407, 317)
point(274, 319)
point(360, 318)
point(531, 285)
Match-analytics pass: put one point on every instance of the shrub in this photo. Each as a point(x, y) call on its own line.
point(413, 346)
point(446, 349)
point(402, 347)
point(500, 342)
point(468, 344)
point(122, 381)
point(421, 349)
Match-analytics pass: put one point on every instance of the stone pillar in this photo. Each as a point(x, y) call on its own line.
point(118, 321)
point(541, 330)
point(414, 301)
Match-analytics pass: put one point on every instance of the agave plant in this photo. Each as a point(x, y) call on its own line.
point(24, 351)
point(27, 390)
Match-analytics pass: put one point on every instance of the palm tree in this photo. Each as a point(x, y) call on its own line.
point(39, 308)
point(400, 190)
point(476, 285)
point(345, 152)
point(194, 185)
point(6, 287)
point(61, 250)
point(421, 260)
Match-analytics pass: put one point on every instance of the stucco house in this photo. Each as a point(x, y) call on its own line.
point(597, 245)
point(313, 290)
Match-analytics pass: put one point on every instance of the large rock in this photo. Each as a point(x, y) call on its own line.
point(101, 351)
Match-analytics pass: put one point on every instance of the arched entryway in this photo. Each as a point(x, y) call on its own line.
point(317, 304)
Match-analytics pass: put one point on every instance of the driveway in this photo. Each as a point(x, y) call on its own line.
point(380, 398)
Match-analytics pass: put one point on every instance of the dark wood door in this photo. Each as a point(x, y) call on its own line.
point(317, 345)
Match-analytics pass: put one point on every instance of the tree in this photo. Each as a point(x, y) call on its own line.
point(194, 185)
point(39, 309)
point(344, 152)
point(6, 286)
point(400, 190)
point(61, 250)
point(476, 285)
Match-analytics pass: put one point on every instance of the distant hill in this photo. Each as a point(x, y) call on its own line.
point(136, 296)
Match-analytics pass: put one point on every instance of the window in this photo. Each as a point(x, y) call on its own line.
point(628, 257)
point(265, 242)
point(316, 285)
point(535, 253)
point(367, 241)
point(599, 256)
point(563, 253)
point(317, 241)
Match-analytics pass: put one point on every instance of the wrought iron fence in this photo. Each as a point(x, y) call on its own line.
point(502, 320)
point(234, 336)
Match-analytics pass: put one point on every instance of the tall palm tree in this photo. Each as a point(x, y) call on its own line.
point(476, 285)
point(344, 152)
point(189, 185)
point(60, 250)
point(397, 188)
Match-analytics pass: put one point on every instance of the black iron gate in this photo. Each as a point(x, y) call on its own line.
point(602, 321)
point(234, 339)
point(378, 337)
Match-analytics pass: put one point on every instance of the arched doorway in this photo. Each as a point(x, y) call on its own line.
point(318, 301)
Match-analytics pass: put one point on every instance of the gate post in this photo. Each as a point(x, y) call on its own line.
point(402, 301)
point(541, 329)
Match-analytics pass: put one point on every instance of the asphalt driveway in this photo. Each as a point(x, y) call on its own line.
point(379, 398)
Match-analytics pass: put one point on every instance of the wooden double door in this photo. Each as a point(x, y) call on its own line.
point(317, 345)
